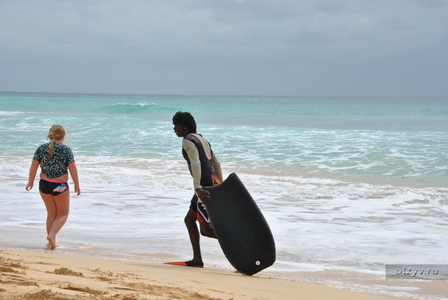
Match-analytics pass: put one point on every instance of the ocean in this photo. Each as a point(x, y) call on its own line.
point(347, 184)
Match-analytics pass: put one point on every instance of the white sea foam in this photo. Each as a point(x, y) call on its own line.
point(10, 113)
point(314, 221)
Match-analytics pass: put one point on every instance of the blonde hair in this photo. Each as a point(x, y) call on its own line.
point(56, 133)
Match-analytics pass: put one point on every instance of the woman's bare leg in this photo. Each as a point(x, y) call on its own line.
point(57, 213)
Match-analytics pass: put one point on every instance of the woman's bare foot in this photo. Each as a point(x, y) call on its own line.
point(51, 242)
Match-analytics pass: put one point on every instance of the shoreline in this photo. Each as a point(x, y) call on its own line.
point(36, 275)
point(138, 234)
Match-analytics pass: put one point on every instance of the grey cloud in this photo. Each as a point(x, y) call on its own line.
point(250, 47)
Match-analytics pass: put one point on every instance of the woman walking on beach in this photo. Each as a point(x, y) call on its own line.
point(205, 170)
point(54, 158)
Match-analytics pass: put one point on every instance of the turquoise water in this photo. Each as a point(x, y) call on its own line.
point(374, 138)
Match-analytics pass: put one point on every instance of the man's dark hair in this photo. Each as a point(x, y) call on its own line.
point(185, 119)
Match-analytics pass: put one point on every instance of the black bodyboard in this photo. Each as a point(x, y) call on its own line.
point(241, 229)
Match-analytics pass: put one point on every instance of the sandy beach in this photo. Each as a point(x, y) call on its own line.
point(49, 276)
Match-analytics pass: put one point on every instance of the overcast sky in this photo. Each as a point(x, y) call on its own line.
point(226, 47)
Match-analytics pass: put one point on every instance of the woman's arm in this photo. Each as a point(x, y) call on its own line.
point(74, 174)
point(32, 174)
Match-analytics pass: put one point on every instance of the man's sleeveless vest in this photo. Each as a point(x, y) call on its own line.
point(206, 164)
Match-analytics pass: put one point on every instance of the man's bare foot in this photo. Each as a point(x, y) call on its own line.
point(191, 263)
point(51, 243)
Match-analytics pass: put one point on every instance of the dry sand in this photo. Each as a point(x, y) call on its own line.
point(49, 276)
